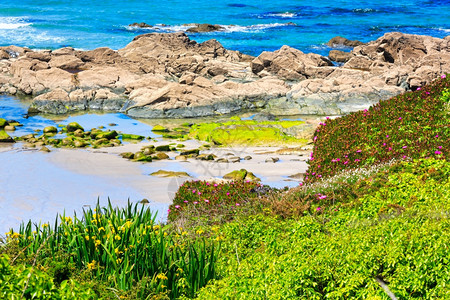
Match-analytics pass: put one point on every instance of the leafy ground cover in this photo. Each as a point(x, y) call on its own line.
point(412, 125)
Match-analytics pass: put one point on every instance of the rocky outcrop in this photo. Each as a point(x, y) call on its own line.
point(340, 41)
point(171, 76)
point(140, 25)
point(203, 28)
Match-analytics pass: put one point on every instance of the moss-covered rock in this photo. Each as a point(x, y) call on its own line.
point(242, 174)
point(161, 155)
point(159, 128)
point(190, 152)
point(163, 148)
point(163, 173)
point(127, 155)
point(50, 129)
point(107, 135)
point(127, 136)
point(5, 138)
point(3, 123)
point(71, 127)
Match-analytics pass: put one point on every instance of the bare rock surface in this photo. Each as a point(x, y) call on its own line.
point(167, 75)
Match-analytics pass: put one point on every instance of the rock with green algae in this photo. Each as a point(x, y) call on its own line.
point(50, 129)
point(242, 174)
point(71, 127)
point(161, 155)
point(5, 138)
point(127, 136)
point(163, 148)
point(3, 123)
point(159, 128)
point(163, 173)
point(127, 155)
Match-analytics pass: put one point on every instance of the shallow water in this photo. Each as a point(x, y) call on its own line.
point(37, 185)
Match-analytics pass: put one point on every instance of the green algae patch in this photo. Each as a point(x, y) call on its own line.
point(249, 132)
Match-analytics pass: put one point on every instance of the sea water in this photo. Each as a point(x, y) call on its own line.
point(250, 26)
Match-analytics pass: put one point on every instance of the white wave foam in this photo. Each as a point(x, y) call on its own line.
point(227, 28)
point(285, 15)
point(8, 23)
point(444, 29)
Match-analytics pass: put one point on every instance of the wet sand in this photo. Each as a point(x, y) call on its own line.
point(38, 185)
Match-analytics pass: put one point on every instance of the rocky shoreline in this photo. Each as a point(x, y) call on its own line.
point(167, 75)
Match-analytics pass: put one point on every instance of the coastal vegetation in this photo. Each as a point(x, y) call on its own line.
point(372, 216)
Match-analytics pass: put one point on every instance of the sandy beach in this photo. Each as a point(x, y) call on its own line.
point(39, 185)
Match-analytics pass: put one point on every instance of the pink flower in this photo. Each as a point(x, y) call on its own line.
point(357, 160)
point(358, 151)
point(318, 209)
point(168, 211)
point(300, 184)
point(436, 136)
point(437, 152)
point(193, 191)
point(315, 138)
point(345, 162)
point(185, 201)
point(418, 89)
point(400, 118)
point(207, 183)
point(387, 135)
point(228, 194)
point(439, 147)
point(216, 185)
point(199, 193)
point(327, 118)
point(404, 156)
point(195, 202)
point(319, 176)
point(404, 147)
point(206, 200)
point(384, 144)
point(322, 197)
point(237, 204)
point(177, 206)
point(389, 149)
point(443, 76)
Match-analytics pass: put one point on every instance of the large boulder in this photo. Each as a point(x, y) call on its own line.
point(289, 63)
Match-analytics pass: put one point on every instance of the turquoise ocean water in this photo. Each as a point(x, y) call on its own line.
point(259, 25)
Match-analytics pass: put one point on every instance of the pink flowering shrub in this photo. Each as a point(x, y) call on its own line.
point(411, 125)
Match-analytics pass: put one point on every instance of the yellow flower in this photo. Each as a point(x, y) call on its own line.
point(87, 230)
point(15, 235)
point(119, 260)
point(8, 233)
point(117, 237)
point(165, 233)
point(91, 265)
point(156, 227)
point(184, 233)
point(162, 276)
point(97, 242)
point(34, 232)
point(87, 238)
point(44, 225)
point(128, 224)
point(66, 234)
point(199, 231)
point(100, 229)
